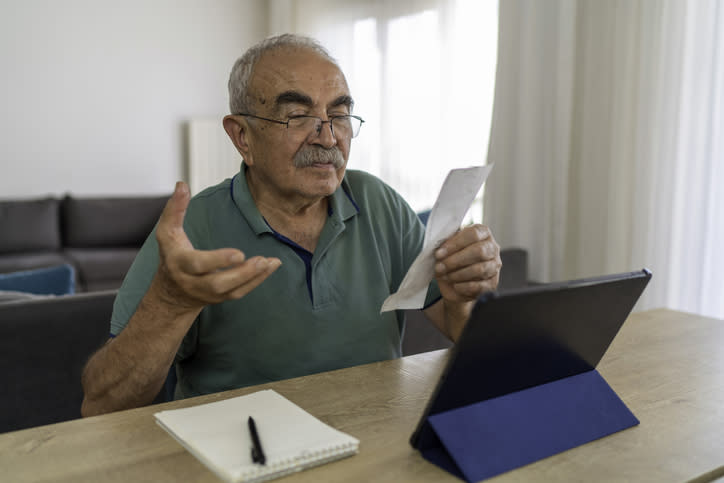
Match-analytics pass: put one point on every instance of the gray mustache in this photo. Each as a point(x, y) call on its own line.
point(310, 155)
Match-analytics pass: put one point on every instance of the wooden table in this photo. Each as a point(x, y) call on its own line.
point(667, 366)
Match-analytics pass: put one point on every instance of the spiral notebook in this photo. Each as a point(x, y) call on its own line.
point(293, 440)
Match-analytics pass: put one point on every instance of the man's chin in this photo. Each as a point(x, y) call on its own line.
point(326, 177)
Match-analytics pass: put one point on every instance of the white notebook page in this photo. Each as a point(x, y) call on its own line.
point(292, 439)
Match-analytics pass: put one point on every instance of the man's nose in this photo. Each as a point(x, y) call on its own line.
point(325, 134)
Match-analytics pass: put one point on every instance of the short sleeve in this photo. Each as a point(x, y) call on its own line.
point(135, 285)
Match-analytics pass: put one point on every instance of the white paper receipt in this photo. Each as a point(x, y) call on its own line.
point(456, 195)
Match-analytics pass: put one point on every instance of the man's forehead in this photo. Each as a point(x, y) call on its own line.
point(298, 75)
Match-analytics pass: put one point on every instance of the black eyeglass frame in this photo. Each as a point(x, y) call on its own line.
point(322, 122)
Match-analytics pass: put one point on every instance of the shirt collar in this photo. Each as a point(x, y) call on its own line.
point(341, 204)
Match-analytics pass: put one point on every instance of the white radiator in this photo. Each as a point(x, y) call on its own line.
point(212, 156)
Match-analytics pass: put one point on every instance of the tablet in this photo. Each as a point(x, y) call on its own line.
point(525, 337)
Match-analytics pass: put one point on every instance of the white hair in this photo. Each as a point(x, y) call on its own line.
point(239, 99)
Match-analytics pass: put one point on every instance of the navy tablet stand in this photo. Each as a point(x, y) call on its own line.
point(490, 437)
point(521, 383)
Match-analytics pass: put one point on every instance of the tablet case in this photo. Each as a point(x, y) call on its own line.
point(521, 384)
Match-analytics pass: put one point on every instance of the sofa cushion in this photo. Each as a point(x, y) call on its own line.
point(58, 280)
point(101, 268)
point(109, 222)
point(29, 225)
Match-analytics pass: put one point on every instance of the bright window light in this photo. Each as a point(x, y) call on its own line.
point(423, 79)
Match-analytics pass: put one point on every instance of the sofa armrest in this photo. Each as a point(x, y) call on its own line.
point(514, 273)
point(44, 345)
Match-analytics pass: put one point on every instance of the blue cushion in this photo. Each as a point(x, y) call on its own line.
point(58, 280)
point(424, 215)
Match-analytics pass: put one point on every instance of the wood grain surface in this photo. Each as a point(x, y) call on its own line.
point(667, 366)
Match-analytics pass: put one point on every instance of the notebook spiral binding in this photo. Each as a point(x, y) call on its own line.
point(285, 466)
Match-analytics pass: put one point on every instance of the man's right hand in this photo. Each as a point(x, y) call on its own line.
point(191, 279)
point(130, 369)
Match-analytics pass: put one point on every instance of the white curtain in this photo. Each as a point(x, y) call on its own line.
point(607, 136)
point(422, 74)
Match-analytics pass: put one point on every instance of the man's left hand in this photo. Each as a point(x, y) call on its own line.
point(467, 264)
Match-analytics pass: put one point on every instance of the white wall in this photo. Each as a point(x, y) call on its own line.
point(95, 93)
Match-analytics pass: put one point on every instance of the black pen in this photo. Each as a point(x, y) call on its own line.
point(257, 453)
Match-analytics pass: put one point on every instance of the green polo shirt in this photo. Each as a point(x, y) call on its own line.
point(317, 312)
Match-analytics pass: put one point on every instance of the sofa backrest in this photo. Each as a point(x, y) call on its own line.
point(109, 222)
point(44, 345)
point(29, 225)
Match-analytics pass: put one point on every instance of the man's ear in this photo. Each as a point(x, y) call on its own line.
point(237, 130)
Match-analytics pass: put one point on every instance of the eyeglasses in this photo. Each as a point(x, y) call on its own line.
point(344, 127)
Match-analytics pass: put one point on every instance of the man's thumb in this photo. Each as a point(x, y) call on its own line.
point(172, 217)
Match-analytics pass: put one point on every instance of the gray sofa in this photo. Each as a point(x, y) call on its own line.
point(99, 237)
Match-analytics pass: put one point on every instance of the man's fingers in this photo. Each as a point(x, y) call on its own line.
point(468, 264)
point(471, 290)
point(474, 254)
point(233, 282)
point(475, 272)
point(473, 257)
point(201, 262)
point(254, 282)
point(462, 239)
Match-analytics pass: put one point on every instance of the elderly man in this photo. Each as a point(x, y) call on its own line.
point(280, 271)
